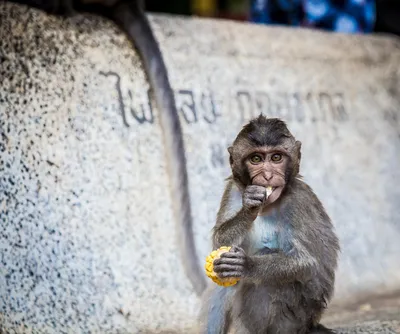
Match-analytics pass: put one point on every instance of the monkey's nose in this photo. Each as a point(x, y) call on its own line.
point(268, 175)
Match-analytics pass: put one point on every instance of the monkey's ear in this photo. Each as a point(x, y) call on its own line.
point(230, 150)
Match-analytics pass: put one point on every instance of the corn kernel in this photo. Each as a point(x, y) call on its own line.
point(209, 267)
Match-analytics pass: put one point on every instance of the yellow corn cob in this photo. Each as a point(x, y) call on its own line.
point(209, 266)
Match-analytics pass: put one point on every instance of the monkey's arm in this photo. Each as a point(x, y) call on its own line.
point(310, 246)
point(236, 214)
point(301, 214)
point(231, 232)
point(279, 267)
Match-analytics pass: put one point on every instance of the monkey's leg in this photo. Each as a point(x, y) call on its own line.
point(130, 16)
point(320, 329)
point(295, 319)
point(237, 327)
point(288, 325)
point(215, 311)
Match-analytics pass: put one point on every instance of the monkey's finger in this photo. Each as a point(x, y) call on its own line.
point(230, 261)
point(251, 203)
point(255, 189)
point(236, 249)
point(256, 196)
point(224, 268)
point(228, 256)
point(230, 274)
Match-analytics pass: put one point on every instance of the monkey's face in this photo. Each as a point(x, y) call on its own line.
point(265, 154)
point(267, 167)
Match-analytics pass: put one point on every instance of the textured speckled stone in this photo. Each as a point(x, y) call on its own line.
point(373, 327)
point(88, 242)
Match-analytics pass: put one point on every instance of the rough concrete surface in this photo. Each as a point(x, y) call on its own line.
point(371, 314)
point(88, 243)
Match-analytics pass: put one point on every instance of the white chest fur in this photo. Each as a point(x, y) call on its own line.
point(264, 233)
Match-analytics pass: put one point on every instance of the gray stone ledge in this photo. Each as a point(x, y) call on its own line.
point(88, 242)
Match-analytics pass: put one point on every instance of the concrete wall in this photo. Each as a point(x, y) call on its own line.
point(88, 243)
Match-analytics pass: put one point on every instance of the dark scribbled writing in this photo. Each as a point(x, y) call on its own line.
point(295, 106)
point(140, 112)
point(197, 107)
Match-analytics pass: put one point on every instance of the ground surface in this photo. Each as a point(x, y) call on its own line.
point(371, 315)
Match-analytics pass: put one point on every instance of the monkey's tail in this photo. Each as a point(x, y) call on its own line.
point(133, 20)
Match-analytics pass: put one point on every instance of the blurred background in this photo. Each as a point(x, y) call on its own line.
point(347, 16)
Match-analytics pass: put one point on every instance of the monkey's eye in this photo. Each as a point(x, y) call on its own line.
point(256, 159)
point(276, 157)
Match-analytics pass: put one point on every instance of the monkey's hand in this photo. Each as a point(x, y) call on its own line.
point(232, 264)
point(253, 198)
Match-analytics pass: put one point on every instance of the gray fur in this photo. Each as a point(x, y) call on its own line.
point(129, 15)
point(213, 315)
point(282, 290)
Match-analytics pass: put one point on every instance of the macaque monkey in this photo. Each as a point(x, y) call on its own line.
point(130, 16)
point(284, 250)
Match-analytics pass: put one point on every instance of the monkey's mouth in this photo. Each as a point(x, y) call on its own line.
point(272, 194)
point(269, 191)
